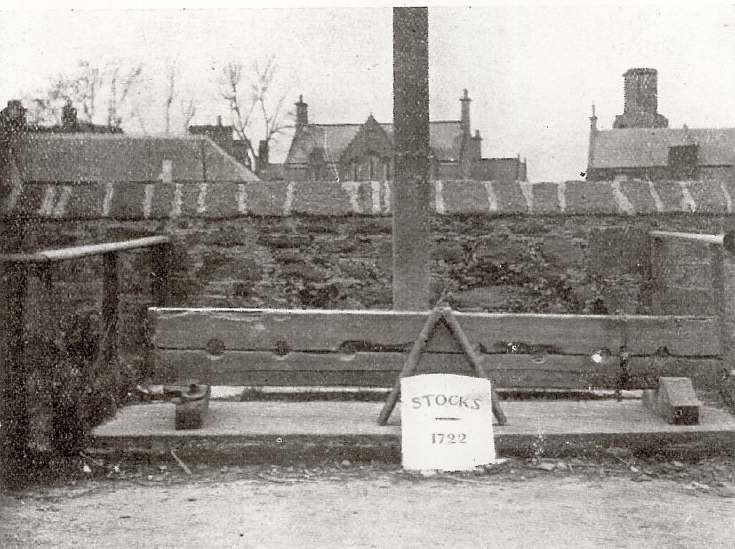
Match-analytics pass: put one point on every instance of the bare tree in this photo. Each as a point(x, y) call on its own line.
point(119, 95)
point(188, 110)
point(170, 94)
point(85, 88)
point(258, 101)
point(82, 88)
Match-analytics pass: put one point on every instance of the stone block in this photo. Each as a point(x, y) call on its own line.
point(29, 201)
point(510, 198)
point(85, 202)
point(587, 197)
point(639, 195)
point(671, 195)
point(127, 201)
point(266, 198)
point(708, 196)
point(220, 200)
point(546, 198)
point(674, 400)
point(464, 197)
point(321, 198)
point(162, 199)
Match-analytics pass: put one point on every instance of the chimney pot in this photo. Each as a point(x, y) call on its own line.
point(465, 121)
point(219, 120)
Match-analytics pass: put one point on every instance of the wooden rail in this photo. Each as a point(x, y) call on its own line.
point(77, 252)
point(17, 267)
point(256, 347)
point(726, 240)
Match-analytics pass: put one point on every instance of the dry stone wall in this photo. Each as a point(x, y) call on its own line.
point(570, 247)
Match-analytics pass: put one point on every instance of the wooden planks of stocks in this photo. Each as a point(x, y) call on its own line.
point(272, 347)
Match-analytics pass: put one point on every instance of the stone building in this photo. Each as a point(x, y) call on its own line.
point(642, 146)
point(224, 137)
point(361, 152)
point(84, 158)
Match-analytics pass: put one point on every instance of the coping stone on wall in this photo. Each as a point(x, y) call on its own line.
point(160, 200)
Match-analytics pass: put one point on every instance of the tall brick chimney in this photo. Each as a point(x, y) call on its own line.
point(263, 153)
point(302, 113)
point(465, 101)
point(640, 108)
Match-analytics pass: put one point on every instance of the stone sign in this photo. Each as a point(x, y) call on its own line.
point(446, 422)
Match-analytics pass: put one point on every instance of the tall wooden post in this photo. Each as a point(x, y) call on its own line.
point(110, 307)
point(160, 273)
point(411, 190)
point(14, 421)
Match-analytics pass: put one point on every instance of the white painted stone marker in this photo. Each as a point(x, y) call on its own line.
point(446, 422)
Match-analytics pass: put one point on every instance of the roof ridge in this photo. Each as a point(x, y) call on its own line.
point(110, 136)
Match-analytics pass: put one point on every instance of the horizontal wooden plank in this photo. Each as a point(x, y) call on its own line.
point(75, 252)
point(322, 330)
point(241, 368)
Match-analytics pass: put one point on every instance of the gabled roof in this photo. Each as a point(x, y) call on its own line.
point(50, 157)
point(649, 147)
point(445, 140)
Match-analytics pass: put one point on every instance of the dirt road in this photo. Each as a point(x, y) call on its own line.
point(377, 506)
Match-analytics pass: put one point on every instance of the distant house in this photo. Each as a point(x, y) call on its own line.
point(642, 146)
point(224, 137)
point(86, 157)
point(359, 152)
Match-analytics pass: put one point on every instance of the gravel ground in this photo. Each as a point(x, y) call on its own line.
point(619, 501)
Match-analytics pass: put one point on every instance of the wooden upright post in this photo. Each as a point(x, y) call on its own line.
point(411, 190)
point(160, 273)
point(14, 421)
point(110, 307)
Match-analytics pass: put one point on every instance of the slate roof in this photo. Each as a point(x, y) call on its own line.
point(445, 140)
point(649, 147)
point(51, 157)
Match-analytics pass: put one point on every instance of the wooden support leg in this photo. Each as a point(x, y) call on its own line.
point(160, 273)
point(14, 420)
point(110, 306)
point(410, 366)
point(475, 360)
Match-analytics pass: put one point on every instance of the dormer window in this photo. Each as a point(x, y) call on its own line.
point(683, 161)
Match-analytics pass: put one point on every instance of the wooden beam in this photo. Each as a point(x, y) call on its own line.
point(334, 331)
point(14, 420)
point(411, 191)
point(76, 252)
point(245, 368)
point(726, 240)
point(410, 365)
point(110, 307)
point(160, 274)
point(475, 360)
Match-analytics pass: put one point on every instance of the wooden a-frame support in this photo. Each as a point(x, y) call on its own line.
point(437, 315)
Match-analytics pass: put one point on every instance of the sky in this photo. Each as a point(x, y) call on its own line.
point(532, 70)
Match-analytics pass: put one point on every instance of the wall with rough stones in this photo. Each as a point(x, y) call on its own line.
point(570, 247)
